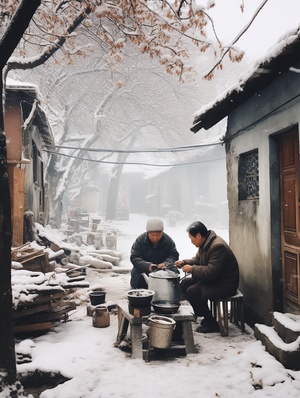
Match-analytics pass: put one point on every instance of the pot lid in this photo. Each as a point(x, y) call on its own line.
point(164, 273)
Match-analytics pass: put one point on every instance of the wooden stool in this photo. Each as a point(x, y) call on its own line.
point(235, 313)
point(125, 320)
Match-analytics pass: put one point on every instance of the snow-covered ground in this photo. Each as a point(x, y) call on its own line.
point(233, 366)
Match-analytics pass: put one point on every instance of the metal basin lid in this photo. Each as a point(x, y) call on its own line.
point(167, 273)
point(136, 293)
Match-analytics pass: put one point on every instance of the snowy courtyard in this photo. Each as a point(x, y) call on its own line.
point(232, 366)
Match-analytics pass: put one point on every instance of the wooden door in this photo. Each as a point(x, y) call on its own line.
point(290, 225)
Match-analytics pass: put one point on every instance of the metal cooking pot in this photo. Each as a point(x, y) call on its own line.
point(165, 307)
point(165, 284)
point(139, 298)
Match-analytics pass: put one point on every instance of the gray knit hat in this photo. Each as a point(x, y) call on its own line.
point(154, 225)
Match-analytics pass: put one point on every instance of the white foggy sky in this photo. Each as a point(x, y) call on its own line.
point(276, 18)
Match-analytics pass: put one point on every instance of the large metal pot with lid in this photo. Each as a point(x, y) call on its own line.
point(165, 284)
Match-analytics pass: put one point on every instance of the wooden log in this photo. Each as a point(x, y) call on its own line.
point(72, 267)
point(17, 248)
point(76, 284)
point(54, 247)
point(40, 299)
point(16, 265)
point(45, 326)
point(75, 279)
point(24, 254)
point(51, 304)
point(54, 314)
point(32, 310)
point(35, 255)
point(111, 252)
point(55, 254)
point(38, 262)
point(58, 314)
point(94, 262)
point(114, 260)
point(53, 289)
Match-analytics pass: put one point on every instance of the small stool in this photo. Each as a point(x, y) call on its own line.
point(221, 312)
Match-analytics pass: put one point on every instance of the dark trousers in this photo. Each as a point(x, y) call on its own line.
point(194, 293)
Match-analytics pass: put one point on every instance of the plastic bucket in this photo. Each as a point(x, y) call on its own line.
point(97, 297)
point(161, 331)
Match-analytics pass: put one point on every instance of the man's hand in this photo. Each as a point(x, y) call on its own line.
point(179, 263)
point(155, 267)
point(152, 267)
point(187, 268)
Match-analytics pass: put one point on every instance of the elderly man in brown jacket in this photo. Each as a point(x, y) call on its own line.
point(214, 273)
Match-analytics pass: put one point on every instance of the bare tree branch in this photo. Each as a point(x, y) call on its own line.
point(230, 46)
point(50, 50)
point(16, 28)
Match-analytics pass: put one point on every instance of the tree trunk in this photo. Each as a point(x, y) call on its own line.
point(113, 189)
point(112, 195)
point(53, 178)
point(8, 43)
point(7, 344)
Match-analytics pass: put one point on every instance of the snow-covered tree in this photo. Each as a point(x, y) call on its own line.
point(137, 107)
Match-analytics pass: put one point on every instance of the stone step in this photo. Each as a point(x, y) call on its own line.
point(286, 353)
point(287, 326)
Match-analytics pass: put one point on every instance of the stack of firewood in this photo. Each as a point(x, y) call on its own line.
point(46, 274)
point(43, 294)
point(31, 258)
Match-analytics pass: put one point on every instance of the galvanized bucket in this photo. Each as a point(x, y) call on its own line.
point(161, 331)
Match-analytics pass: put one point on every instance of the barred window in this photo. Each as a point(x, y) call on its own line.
point(248, 175)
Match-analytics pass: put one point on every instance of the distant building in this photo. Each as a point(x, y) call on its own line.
point(195, 191)
point(27, 133)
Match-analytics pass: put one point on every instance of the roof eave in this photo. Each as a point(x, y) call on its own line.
point(265, 73)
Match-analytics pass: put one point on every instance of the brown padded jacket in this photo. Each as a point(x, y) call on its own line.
point(215, 267)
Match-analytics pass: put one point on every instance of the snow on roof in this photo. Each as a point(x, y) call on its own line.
point(284, 54)
point(40, 118)
point(17, 85)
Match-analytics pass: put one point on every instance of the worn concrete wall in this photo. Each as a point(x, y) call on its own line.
point(254, 125)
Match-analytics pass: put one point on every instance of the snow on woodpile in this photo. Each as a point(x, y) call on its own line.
point(49, 277)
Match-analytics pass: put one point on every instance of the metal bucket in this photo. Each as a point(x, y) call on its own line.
point(160, 331)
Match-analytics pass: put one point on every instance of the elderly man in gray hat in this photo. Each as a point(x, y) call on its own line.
point(153, 249)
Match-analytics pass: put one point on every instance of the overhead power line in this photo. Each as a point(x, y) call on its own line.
point(132, 163)
point(149, 150)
